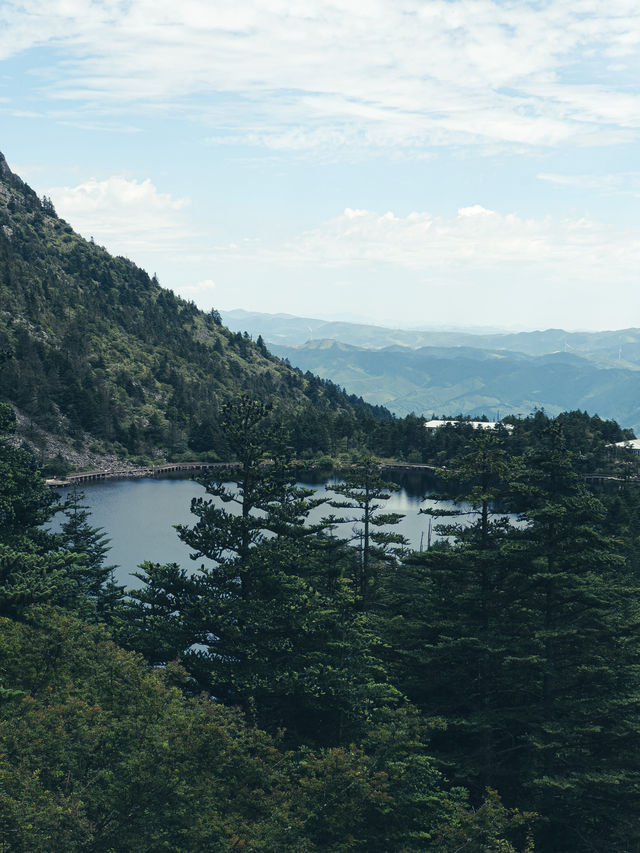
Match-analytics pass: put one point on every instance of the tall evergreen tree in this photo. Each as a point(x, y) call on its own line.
point(581, 744)
point(33, 566)
point(91, 545)
point(523, 639)
point(268, 623)
point(443, 615)
point(364, 492)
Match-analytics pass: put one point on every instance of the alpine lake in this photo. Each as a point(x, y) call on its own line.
point(137, 515)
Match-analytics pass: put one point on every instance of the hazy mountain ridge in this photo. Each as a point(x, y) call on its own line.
point(618, 347)
point(551, 370)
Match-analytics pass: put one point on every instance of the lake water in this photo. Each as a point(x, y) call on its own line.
point(138, 515)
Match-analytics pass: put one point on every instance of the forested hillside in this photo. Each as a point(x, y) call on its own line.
point(102, 353)
point(474, 381)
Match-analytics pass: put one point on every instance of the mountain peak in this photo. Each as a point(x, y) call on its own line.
point(5, 171)
point(12, 180)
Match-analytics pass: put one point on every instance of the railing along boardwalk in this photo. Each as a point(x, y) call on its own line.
point(143, 471)
point(171, 467)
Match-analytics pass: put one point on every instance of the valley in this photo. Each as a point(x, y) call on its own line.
point(449, 373)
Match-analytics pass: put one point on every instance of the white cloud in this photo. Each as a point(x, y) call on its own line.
point(464, 247)
point(202, 292)
point(124, 214)
point(475, 210)
point(479, 266)
point(309, 76)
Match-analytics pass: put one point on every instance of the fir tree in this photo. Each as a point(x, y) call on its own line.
point(91, 545)
point(522, 638)
point(364, 491)
point(33, 566)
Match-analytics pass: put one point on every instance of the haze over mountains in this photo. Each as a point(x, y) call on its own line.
point(450, 372)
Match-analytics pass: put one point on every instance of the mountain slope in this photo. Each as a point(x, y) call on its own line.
point(103, 353)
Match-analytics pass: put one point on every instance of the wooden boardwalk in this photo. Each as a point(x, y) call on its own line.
point(172, 467)
point(144, 471)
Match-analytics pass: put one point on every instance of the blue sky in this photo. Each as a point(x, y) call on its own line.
point(411, 163)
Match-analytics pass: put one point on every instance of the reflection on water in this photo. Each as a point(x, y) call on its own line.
point(138, 515)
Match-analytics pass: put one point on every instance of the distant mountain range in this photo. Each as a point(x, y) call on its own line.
point(447, 372)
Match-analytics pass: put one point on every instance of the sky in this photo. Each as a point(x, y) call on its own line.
point(412, 163)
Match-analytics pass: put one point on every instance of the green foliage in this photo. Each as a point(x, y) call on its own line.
point(99, 755)
point(503, 662)
point(90, 545)
point(25, 500)
point(523, 640)
point(476, 377)
point(34, 566)
point(588, 436)
point(266, 624)
point(491, 828)
point(98, 752)
point(364, 491)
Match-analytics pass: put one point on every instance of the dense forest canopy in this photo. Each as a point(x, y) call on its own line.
point(303, 693)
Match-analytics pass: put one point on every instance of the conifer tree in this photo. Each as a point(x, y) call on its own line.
point(522, 637)
point(364, 491)
point(581, 745)
point(445, 619)
point(33, 566)
point(268, 622)
point(91, 545)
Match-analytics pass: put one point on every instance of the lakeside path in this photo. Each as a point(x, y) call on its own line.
point(116, 473)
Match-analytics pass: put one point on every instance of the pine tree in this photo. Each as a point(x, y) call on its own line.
point(581, 743)
point(91, 545)
point(443, 615)
point(522, 638)
point(364, 491)
point(33, 567)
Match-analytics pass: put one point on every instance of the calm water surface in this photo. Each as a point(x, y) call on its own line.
point(138, 515)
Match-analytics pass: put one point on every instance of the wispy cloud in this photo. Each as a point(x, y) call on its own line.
point(621, 183)
point(202, 292)
point(316, 77)
point(466, 247)
point(478, 266)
